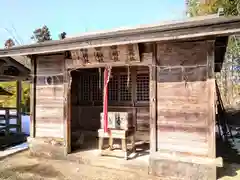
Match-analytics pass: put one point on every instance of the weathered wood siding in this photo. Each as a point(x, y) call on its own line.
point(183, 98)
point(142, 118)
point(50, 96)
point(99, 57)
point(185, 124)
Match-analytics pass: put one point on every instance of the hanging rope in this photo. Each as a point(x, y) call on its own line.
point(109, 72)
point(128, 78)
point(68, 74)
point(185, 77)
point(100, 77)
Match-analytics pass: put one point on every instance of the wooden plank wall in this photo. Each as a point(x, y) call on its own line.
point(183, 113)
point(50, 96)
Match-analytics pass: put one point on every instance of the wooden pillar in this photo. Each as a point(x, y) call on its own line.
point(212, 98)
point(153, 102)
point(67, 111)
point(134, 94)
point(33, 96)
point(18, 104)
point(7, 121)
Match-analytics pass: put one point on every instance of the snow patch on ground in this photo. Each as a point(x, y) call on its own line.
point(13, 150)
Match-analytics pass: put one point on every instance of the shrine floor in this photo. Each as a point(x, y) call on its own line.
point(23, 167)
point(89, 154)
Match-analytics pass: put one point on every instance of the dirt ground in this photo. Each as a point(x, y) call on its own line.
point(23, 167)
point(229, 172)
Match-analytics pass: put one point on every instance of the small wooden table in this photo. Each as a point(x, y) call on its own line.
point(124, 135)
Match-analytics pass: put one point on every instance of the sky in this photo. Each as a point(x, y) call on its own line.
point(21, 18)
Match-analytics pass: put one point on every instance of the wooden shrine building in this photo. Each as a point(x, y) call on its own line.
point(10, 117)
point(160, 87)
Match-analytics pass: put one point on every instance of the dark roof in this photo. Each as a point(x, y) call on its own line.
point(24, 72)
point(25, 61)
point(205, 26)
point(220, 50)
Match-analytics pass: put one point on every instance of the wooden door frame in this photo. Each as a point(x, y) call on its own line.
point(33, 96)
point(153, 101)
point(67, 111)
point(68, 106)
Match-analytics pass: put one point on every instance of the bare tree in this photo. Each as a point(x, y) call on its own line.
point(9, 43)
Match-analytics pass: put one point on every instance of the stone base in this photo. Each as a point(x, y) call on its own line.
point(47, 147)
point(181, 170)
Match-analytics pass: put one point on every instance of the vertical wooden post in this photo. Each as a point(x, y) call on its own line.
point(33, 96)
point(211, 97)
point(7, 118)
point(105, 99)
point(18, 104)
point(153, 101)
point(67, 111)
point(134, 94)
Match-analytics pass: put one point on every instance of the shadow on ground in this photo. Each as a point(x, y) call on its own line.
point(34, 171)
point(233, 116)
point(11, 139)
point(229, 150)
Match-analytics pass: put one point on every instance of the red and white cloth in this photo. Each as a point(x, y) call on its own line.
point(107, 73)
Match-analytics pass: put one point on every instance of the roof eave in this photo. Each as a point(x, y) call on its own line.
point(221, 26)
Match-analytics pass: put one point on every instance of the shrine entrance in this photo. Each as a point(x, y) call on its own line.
point(128, 112)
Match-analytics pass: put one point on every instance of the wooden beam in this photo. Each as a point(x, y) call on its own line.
point(211, 97)
point(18, 103)
point(133, 71)
point(153, 101)
point(67, 111)
point(188, 159)
point(9, 126)
point(7, 121)
point(105, 64)
point(125, 53)
point(33, 96)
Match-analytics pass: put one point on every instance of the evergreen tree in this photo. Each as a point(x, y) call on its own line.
point(62, 35)
point(41, 34)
